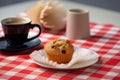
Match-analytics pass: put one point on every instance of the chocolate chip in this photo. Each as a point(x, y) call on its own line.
point(52, 46)
point(63, 51)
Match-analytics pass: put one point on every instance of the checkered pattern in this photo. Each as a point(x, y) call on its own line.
point(105, 40)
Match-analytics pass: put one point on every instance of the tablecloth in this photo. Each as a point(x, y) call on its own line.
point(105, 40)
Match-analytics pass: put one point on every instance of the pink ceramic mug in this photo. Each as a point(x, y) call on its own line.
point(78, 24)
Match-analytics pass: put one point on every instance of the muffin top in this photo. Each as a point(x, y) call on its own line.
point(59, 46)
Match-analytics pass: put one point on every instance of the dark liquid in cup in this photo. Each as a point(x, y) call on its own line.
point(16, 22)
point(16, 34)
point(16, 30)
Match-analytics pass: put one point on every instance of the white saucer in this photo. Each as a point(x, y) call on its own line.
point(87, 58)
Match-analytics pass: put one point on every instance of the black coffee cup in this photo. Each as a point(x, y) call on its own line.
point(16, 30)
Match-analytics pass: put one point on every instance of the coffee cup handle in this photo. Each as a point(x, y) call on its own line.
point(32, 26)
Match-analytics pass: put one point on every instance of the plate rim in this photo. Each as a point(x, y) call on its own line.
point(88, 63)
point(42, 65)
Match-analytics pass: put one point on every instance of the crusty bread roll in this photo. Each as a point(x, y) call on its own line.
point(50, 14)
point(34, 12)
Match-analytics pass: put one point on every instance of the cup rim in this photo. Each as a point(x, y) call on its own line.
point(77, 11)
point(5, 20)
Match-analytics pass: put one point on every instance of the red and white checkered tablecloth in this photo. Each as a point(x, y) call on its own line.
point(105, 40)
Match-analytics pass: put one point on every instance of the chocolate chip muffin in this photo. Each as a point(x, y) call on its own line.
point(59, 50)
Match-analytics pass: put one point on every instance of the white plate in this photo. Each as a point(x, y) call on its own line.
point(85, 56)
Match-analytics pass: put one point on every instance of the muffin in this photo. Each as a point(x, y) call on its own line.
point(59, 50)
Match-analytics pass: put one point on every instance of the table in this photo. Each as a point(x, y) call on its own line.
point(105, 40)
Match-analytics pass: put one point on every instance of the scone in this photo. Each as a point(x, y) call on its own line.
point(59, 50)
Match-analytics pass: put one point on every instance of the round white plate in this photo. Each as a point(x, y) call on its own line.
point(89, 57)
